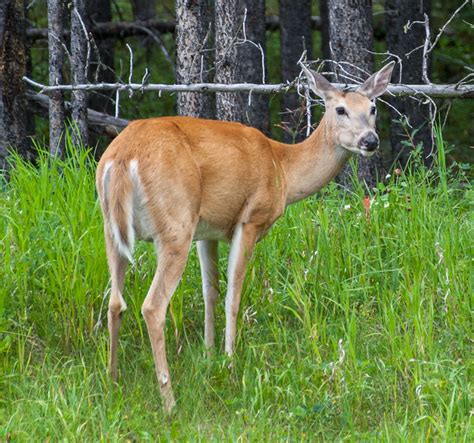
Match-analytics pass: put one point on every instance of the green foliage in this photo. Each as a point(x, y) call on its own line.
point(355, 321)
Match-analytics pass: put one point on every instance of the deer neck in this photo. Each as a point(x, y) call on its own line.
point(313, 163)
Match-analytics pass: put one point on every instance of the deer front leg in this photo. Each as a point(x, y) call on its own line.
point(208, 258)
point(241, 249)
point(171, 264)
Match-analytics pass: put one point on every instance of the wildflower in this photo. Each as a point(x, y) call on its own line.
point(366, 203)
point(398, 172)
point(347, 207)
point(387, 176)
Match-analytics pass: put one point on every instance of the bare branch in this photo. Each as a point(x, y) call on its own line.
point(441, 31)
point(432, 90)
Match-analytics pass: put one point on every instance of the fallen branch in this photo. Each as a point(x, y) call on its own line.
point(98, 122)
point(142, 28)
point(431, 90)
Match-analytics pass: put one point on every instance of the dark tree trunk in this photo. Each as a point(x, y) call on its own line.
point(57, 116)
point(399, 42)
point(12, 69)
point(192, 55)
point(30, 117)
point(79, 67)
point(228, 27)
point(102, 64)
point(351, 34)
point(324, 14)
point(257, 113)
point(295, 32)
point(145, 9)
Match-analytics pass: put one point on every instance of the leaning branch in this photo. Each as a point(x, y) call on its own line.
point(98, 122)
point(131, 29)
point(431, 90)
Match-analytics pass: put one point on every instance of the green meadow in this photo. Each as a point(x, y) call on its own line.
point(356, 321)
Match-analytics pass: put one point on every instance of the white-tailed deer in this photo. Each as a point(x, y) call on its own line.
point(173, 180)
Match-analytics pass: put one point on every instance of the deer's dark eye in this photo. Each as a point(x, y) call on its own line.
point(373, 110)
point(340, 110)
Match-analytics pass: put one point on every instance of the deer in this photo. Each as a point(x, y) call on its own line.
point(176, 180)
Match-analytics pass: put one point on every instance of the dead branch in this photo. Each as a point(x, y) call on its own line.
point(98, 122)
point(431, 90)
point(142, 28)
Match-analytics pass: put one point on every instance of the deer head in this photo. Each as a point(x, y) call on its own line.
point(351, 115)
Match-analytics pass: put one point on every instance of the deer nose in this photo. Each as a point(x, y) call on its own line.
point(370, 142)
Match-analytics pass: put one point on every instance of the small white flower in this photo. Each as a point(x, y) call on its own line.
point(386, 205)
point(387, 176)
point(347, 207)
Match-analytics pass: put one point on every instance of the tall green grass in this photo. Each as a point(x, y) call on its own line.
point(356, 323)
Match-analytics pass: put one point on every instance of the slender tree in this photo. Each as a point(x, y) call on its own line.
point(80, 51)
point(400, 41)
point(102, 64)
point(252, 65)
point(192, 55)
point(351, 35)
point(12, 68)
point(295, 34)
point(57, 115)
point(324, 14)
point(144, 10)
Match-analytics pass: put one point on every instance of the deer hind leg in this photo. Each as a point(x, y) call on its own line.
point(172, 257)
point(117, 266)
point(208, 260)
point(243, 243)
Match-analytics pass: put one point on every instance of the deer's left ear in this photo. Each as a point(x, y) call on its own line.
point(377, 83)
point(318, 84)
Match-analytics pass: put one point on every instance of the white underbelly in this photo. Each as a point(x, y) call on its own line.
point(205, 231)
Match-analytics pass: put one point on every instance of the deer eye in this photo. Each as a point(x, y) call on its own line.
point(373, 110)
point(340, 110)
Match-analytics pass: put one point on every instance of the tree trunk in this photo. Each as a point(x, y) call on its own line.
point(351, 34)
point(295, 34)
point(324, 14)
point(252, 70)
point(57, 115)
point(228, 26)
point(399, 42)
point(145, 9)
point(12, 69)
point(80, 49)
point(102, 64)
point(238, 60)
point(192, 56)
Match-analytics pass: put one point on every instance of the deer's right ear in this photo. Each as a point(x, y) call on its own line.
point(318, 84)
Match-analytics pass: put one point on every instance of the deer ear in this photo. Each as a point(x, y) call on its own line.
point(377, 83)
point(318, 84)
